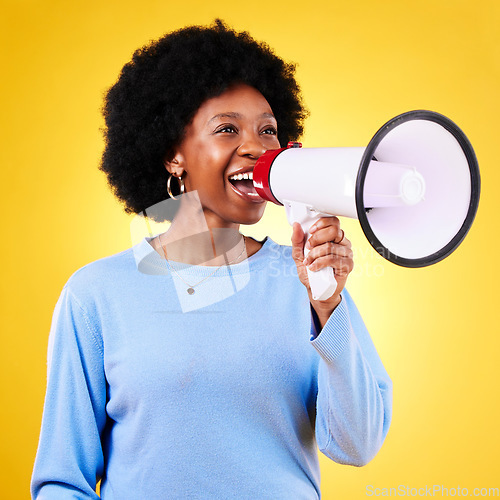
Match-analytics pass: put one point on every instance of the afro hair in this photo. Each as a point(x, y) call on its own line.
point(159, 91)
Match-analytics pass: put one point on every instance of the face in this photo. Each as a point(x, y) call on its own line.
point(225, 138)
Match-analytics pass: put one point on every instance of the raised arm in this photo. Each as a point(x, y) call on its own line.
point(354, 403)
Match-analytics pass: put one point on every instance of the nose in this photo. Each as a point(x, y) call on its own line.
point(252, 147)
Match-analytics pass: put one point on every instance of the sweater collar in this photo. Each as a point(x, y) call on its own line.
point(148, 261)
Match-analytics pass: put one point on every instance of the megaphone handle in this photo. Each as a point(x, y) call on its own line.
point(323, 283)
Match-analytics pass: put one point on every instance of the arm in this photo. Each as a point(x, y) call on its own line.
point(354, 403)
point(70, 460)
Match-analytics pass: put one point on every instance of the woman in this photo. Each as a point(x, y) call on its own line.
point(197, 364)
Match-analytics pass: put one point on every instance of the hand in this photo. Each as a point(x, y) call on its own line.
point(328, 248)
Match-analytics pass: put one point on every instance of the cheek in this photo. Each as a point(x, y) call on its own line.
point(209, 160)
point(208, 178)
point(201, 167)
point(276, 143)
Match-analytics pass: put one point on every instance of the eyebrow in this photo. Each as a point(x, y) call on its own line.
point(237, 116)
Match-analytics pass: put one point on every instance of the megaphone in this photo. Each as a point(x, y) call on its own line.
point(414, 189)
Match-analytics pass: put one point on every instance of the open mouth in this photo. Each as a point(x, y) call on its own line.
point(243, 185)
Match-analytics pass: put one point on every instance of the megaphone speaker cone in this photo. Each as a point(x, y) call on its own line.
point(445, 185)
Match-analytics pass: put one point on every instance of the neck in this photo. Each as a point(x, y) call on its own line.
point(193, 238)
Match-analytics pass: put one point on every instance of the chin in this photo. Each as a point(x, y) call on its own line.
point(251, 217)
point(250, 221)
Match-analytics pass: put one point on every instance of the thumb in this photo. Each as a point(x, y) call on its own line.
point(298, 237)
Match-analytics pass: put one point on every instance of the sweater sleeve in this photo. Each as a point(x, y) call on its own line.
point(354, 402)
point(69, 460)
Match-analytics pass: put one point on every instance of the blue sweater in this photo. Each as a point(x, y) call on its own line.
point(223, 394)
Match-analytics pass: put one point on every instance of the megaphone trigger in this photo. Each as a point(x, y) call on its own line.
point(323, 283)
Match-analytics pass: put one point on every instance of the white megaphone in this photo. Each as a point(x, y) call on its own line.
point(414, 188)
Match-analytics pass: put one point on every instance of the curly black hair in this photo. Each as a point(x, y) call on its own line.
point(159, 91)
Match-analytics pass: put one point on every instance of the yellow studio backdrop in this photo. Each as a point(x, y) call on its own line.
point(359, 64)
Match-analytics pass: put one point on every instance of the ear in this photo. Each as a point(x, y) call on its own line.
point(174, 163)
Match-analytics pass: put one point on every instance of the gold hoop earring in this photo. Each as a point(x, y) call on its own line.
point(180, 180)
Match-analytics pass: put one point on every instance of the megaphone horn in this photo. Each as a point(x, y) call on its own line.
point(414, 189)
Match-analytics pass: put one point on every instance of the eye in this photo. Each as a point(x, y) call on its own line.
point(270, 131)
point(226, 129)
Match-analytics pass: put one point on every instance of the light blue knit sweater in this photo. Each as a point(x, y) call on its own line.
point(224, 394)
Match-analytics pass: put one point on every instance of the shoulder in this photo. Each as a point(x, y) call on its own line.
point(269, 246)
point(276, 261)
point(104, 267)
point(270, 251)
point(105, 273)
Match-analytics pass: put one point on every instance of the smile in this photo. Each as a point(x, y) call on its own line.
point(242, 185)
point(239, 177)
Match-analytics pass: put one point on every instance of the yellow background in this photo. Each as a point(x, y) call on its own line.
point(359, 64)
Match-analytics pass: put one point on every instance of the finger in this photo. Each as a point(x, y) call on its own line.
point(341, 239)
point(324, 222)
point(342, 266)
point(298, 237)
point(328, 248)
point(332, 233)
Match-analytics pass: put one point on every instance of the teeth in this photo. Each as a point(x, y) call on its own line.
point(240, 177)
